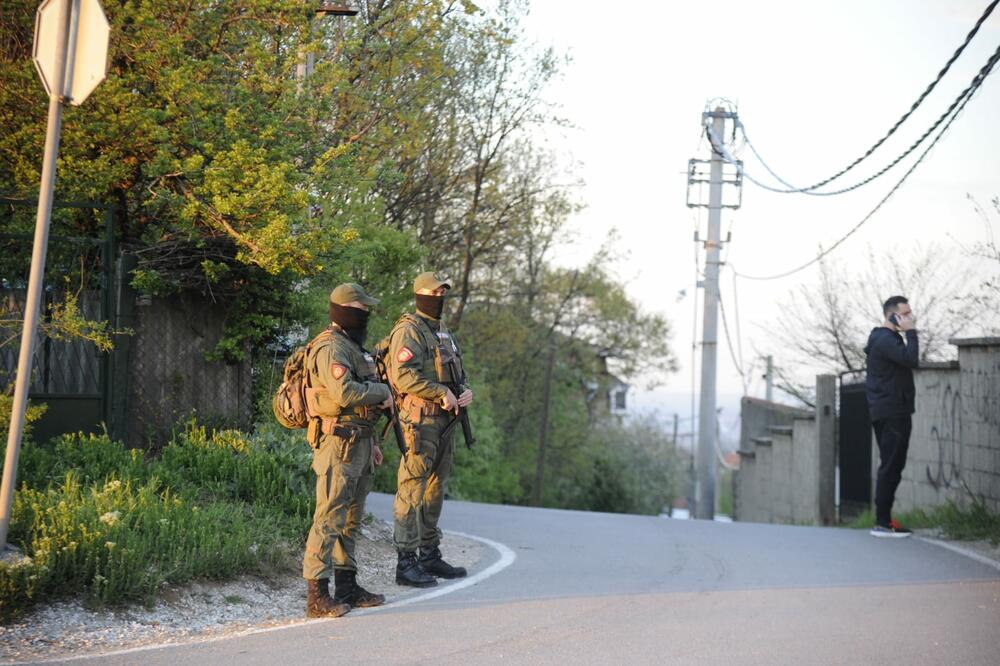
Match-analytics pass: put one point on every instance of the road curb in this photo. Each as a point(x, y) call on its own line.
point(982, 559)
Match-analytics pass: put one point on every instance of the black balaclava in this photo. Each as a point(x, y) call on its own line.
point(354, 321)
point(429, 305)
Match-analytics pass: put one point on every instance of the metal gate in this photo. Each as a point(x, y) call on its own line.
point(854, 450)
point(70, 375)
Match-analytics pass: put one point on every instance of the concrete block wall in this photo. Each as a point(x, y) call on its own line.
point(805, 472)
point(934, 461)
point(979, 363)
point(753, 484)
point(781, 465)
point(955, 443)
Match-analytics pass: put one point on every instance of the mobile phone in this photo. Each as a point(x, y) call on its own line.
point(894, 319)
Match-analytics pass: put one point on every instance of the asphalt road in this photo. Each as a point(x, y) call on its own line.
point(604, 588)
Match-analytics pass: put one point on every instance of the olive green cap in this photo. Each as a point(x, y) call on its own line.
point(431, 280)
point(350, 292)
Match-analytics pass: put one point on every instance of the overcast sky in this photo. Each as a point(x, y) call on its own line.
point(816, 83)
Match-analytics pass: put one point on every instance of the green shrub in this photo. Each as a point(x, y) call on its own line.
point(230, 465)
point(120, 541)
point(104, 522)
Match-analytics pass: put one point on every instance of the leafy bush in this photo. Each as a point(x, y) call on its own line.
point(105, 523)
point(119, 541)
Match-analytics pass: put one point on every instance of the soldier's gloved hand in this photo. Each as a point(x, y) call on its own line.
point(465, 398)
point(378, 455)
point(449, 402)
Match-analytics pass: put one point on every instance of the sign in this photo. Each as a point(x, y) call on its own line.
point(87, 50)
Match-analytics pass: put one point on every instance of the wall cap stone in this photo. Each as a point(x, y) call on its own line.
point(975, 342)
point(776, 406)
point(938, 365)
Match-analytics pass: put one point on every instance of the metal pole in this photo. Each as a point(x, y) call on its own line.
point(36, 277)
point(543, 438)
point(769, 378)
point(705, 485)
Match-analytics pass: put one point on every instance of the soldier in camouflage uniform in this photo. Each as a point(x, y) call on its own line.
point(426, 408)
point(343, 399)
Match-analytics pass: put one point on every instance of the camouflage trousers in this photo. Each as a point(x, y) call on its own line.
point(420, 483)
point(343, 478)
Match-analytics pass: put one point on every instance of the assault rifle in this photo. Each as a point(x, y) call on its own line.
point(452, 372)
point(393, 412)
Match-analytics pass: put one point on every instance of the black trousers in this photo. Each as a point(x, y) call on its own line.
point(893, 437)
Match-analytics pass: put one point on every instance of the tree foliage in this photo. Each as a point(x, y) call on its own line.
point(412, 144)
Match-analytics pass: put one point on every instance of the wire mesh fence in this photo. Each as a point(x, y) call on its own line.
point(157, 373)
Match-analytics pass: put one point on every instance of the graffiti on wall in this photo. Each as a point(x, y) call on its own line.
point(984, 394)
point(945, 433)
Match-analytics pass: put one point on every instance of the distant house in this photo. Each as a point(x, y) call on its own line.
point(610, 393)
point(617, 395)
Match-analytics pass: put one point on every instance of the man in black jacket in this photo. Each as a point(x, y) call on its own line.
point(889, 388)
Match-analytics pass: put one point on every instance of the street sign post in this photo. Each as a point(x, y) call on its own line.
point(70, 52)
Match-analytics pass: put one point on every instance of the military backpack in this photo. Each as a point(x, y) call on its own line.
point(289, 401)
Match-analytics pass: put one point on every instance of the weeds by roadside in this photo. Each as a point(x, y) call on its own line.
point(103, 522)
point(974, 522)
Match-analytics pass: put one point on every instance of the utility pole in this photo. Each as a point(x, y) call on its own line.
point(769, 378)
point(543, 437)
point(307, 61)
point(674, 438)
point(715, 123)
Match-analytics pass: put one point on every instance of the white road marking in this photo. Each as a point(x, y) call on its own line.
point(507, 557)
point(982, 559)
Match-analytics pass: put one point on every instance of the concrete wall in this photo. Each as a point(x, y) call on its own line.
point(786, 454)
point(955, 446)
point(786, 467)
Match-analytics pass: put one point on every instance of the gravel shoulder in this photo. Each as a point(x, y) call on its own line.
point(206, 609)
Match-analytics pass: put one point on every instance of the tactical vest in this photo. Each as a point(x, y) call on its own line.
point(319, 401)
point(438, 348)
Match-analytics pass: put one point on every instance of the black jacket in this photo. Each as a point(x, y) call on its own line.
point(889, 380)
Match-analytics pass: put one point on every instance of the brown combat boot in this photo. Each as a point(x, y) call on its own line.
point(319, 603)
point(349, 592)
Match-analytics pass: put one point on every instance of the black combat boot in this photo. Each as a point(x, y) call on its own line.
point(431, 562)
point(408, 572)
point(349, 592)
point(318, 600)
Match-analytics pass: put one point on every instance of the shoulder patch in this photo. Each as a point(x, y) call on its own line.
point(404, 355)
point(338, 370)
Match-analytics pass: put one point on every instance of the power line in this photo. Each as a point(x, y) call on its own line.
point(720, 148)
point(984, 73)
point(965, 94)
point(739, 334)
point(729, 344)
point(927, 91)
